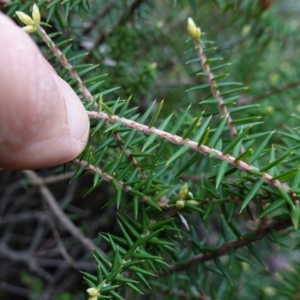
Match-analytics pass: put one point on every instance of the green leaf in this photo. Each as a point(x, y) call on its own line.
point(188, 164)
point(180, 121)
point(286, 197)
point(221, 172)
point(136, 269)
point(152, 137)
point(286, 176)
point(155, 116)
point(159, 224)
point(217, 133)
point(118, 197)
point(191, 127)
point(177, 154)
point(275, 162)
point(260, 148)
point(202, 130)
point(256, 254)
point(223, 270)
point(244, 155)
point(252, 193)
point(125, 234)
point(116, 295)
point(106, 109)
point(295, 215)
point(140, 241)
point(199, 87)
point(235, 141)
point(272, 207)
point(132, 286)
point(147, 113)
point(160, 194)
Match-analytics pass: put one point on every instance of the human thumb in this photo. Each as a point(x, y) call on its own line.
point(42, 121)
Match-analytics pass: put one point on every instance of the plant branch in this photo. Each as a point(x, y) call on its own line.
point(86, 30)
point(122, 20)
point(65, 63)
point(178, 140)
point(108, 178)
point(275, 91)
point(236, 244)
point(60, 215)
point(215, 90)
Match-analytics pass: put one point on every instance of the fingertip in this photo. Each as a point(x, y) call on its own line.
point(42, 121)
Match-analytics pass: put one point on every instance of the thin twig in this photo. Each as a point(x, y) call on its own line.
point(107, 177)
point(60, 244)
point(274, 91)
point(63, 60)
point(57, 178)
point(86, 30)
point(60, 215)
point(223, 249)
point(122, 20)
point(178, 140)
point(215, 90)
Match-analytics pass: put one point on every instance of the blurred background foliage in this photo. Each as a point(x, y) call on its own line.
point(141, 47)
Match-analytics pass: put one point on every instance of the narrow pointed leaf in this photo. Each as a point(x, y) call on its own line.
point(252, 193)
point(272, 207)
point(235, 141)
point(188, 164)
point(257, 152)
point(295, 215)
point(217, 133)
point(180, 121)
point(154, 118)
point(191, 127)
point(221, 172)
point(286, 197)
point(275, 162)
point(179, 153)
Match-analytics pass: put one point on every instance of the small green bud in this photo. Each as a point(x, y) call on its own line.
point(183, 191)
point(194, 31)
point(180, 204)
point(193, 202)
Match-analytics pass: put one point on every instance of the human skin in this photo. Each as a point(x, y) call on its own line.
point(42, 121)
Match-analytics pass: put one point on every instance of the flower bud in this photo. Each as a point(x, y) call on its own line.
point(193, 30)
point(93, 292)
point(180, 204)
point(24, 18)
point(183, 191)
point(193, 202)
point(36, 16)
point(29, 28)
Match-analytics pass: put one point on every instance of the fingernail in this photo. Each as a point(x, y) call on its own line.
point(78, 120)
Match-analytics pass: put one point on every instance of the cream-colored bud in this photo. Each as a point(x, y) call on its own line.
point(36, 16)
point(93, 298)
point(193, 30)
point(93, 292)
point(24, 18)
point(29, 28)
